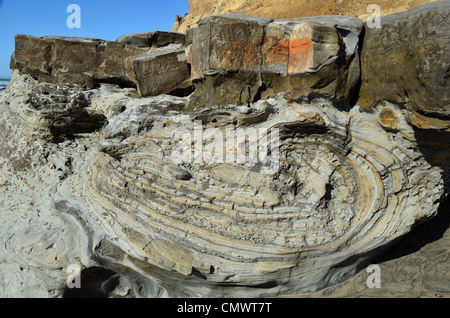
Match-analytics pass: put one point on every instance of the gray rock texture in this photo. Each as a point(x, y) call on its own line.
point(264, 57)
point(265, 181)
point(345, 187)
point(153, 39)
point(161, 70)
point(89, 62)
point(407, 61)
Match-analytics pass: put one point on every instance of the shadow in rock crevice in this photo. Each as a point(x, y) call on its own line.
point(435, 146)
point(96, 282)
point(420, 236)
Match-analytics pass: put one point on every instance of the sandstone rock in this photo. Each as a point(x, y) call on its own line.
point(160, 71)
point(33, 56)
point(285, 9)
point(344, 188)
point(152, 39)
point(115, 63)
point(229, 42)
point(157, 197)
point(407, 61)
point(262, 57)
point(88, 62)
point(331, 201)
point(78, 61)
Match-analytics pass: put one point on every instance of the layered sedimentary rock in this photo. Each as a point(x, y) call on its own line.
point(152, 39)
point(286, 9)
point(407, 62)
point(265, 181)
point(345, 185)
point(88, 62)
point(417, 37)
point(238, 59)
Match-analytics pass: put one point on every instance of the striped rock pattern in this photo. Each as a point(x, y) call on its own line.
point(347, 185)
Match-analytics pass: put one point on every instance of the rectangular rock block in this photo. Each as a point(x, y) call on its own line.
point(160, 71)
point(32, 56)
point(227, 42)
point(153, 39)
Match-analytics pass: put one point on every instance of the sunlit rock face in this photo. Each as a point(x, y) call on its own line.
point(89, 62)
point(287, 9)
point(239, 59)
point(344, 187)
point(417, 37)
point(250, 171)
point(338, 187)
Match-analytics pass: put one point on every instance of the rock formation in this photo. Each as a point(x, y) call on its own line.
point(89, 62)
point(260, 58)
point(230, 162)
point(286, 9)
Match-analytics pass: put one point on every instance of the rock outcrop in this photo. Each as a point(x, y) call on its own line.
point(407, 62)
point(264, 57)
point(161, 70)
point(286, 9)
point(268, 179)
point(344, 187)
point(153, 39)
point(88, 62)
point(417, 37)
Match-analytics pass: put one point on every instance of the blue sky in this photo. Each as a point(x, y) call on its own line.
point(99, 19)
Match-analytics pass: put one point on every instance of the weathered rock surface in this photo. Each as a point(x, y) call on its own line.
point(237, 59)
point(88, 62)
point(345, 186)
point(417, 266)
point(161, 70)
point(407, 61)
point(153, 39)
point(286, 9)
point(157, 197)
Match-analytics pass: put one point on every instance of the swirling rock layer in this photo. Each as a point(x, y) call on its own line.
point(345, 186)
point(260, 188)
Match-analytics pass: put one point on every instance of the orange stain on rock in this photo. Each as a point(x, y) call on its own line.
point(275, 50)
point(300, 55)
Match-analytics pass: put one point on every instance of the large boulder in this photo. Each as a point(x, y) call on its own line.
point(82, 61)
point(239, 59)
point(407, 61)
point(88, 62)
point(161, 70)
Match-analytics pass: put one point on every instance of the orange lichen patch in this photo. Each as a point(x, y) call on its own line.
point(300, 55)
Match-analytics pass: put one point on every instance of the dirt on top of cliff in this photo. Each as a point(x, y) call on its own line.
point(281, 9)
